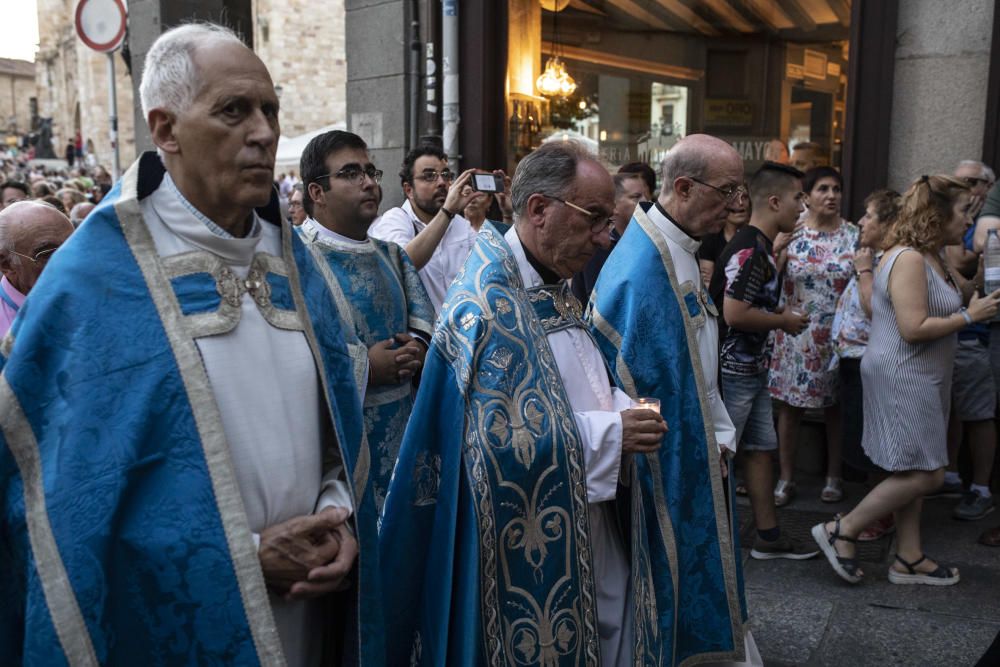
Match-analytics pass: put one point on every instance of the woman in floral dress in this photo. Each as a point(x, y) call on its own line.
point(818, 267)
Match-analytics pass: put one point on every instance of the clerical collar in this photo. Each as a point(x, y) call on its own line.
point(669, 217)
point(549, 277)
point(669, 228)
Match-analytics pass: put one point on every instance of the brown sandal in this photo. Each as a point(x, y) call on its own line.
point(991, 538)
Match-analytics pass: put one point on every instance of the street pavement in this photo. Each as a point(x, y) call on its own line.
point(802, 614)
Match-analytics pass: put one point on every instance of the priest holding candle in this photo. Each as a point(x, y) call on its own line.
point(656, 325)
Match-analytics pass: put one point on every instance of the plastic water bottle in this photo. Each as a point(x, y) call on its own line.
point(991, 265)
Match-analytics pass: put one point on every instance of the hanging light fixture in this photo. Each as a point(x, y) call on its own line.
point(555, 80)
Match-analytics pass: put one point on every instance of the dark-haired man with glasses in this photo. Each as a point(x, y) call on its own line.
point(376, 287)
point(429, 224)
point(30, 231)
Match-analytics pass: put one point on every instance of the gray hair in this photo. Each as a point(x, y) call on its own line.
point(548, 170)
point(986, 172)
point(682, 161)
point(169, 77)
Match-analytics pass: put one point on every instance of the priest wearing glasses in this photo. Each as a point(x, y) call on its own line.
point(512, 528)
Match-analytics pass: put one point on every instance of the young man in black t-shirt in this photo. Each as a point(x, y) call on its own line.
point(749, 283)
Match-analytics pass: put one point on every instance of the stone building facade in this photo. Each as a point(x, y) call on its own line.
point(303, 49)
point(72, 86)
point(17, 88)
point(302, 44)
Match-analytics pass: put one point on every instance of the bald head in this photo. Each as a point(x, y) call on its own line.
point(80, 213)
point(29, 232)
point(701, 175)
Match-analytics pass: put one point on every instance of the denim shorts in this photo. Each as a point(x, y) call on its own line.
point(749, 405)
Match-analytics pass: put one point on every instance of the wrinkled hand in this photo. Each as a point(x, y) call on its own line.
point(982, 308)
point(460, 192)
point(864, 259)
point(792, 322)
point(333, 576)
point(392, 365)
point(290, 550)
point(642, 430)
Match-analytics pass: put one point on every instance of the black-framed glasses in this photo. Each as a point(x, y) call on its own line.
point(40, 257)
point(732, 193)
point(431, 176)
point(599, 221)
point(355, 174)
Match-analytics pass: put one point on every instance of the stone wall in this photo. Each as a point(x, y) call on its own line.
point(72, 86)
point(16, 91)
point(302, 44)
point(939, 90)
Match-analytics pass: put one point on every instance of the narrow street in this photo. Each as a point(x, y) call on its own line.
point(804, 615)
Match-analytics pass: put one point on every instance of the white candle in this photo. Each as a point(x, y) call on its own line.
point(648, 404)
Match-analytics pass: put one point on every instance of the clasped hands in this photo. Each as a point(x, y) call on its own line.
point(308, 556)
point(392, 365)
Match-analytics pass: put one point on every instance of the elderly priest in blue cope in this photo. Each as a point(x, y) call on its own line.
point(656, 325)
point(509, 529)
point(181, 477)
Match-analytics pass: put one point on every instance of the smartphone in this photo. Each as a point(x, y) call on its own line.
point(487, 183)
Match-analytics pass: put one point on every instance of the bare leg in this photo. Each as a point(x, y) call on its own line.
point(983, 443)
point(760, 488)
point(897, 491)
point(834, 463)
point(789, 419)
point(908, 533)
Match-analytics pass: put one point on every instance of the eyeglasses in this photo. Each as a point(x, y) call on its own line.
point(732, 193)
point(40, 257)
point(972, 181)
point(355, 175)
point(430, 176)
point(599, 221)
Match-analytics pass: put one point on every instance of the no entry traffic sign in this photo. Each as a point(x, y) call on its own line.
point(101, 24)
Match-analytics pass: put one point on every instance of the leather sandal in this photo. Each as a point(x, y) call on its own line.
point(942, 576)
point(991, 538)
point(846, 568)
point(784, 492)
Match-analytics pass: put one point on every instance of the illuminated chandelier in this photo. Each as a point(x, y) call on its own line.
point(555, 80)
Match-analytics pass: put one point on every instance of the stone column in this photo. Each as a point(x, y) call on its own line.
point(377, 88)
point(939, 87)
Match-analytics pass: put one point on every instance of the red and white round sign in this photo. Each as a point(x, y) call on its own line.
point(101, 23)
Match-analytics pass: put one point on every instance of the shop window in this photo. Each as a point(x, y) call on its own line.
point(647, 74)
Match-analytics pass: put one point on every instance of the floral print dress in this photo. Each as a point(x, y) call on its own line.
point(820, 264)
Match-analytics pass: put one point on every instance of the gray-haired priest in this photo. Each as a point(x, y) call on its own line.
point(655, 323)
point(181, 474)
point(509, 530)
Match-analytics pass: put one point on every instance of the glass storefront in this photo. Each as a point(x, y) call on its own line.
point(761, 74)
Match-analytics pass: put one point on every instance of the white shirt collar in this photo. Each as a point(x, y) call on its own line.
point(183, 219)
point(531, 277)
point(318, 232)
point(670, 229)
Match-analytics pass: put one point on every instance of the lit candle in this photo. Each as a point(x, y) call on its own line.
point(648, 404)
